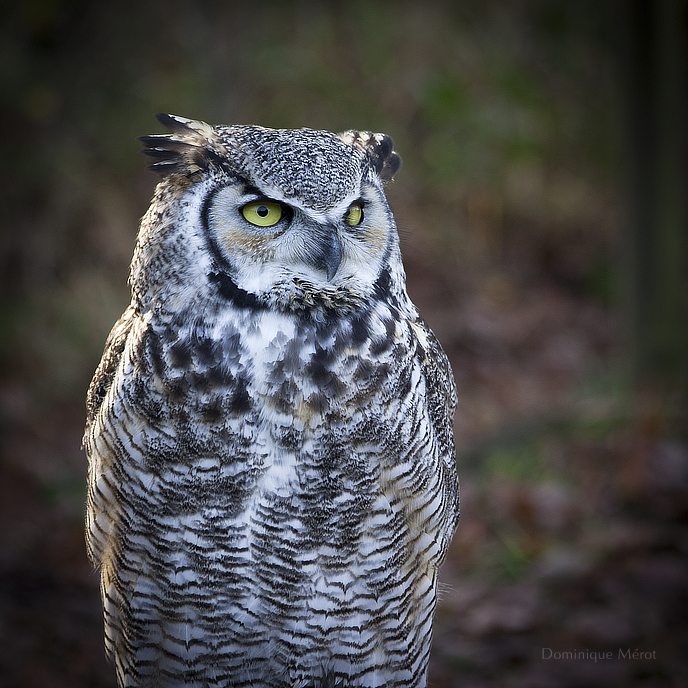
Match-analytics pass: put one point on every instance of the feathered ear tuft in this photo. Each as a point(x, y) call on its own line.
point(191, 147)
point(380, 149)
point(386, 160)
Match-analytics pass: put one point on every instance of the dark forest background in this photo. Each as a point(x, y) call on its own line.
point(542, 209)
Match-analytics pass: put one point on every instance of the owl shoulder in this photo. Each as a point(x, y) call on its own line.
point(435, 363)
point(102, 379)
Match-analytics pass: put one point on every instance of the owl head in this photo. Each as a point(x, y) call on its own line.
point(294, 220)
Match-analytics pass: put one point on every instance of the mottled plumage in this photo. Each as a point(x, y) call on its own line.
point(272, 483)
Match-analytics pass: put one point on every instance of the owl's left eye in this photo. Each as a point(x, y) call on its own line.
point(354, 215)
point(262, 213)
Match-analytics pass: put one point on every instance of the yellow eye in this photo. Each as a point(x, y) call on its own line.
point(262, 214)
point(354, 215)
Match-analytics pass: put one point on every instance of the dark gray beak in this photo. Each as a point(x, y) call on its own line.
point(327, 252)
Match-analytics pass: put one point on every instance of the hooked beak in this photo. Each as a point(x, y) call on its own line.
point(326, 254)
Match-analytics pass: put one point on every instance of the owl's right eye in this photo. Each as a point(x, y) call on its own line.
point(262, 213)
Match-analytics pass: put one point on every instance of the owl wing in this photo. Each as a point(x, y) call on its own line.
point(102, 379)
point(441, 399)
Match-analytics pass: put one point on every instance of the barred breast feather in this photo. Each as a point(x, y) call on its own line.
point(269, 524)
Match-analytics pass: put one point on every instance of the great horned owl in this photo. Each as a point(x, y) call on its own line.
point(272, 484)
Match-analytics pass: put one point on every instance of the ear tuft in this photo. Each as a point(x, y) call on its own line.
point(384, 160)
point(191, 147)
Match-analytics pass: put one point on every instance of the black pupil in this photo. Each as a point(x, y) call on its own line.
point(262, 211)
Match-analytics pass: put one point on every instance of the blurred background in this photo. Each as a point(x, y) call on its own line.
point(542, 213)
